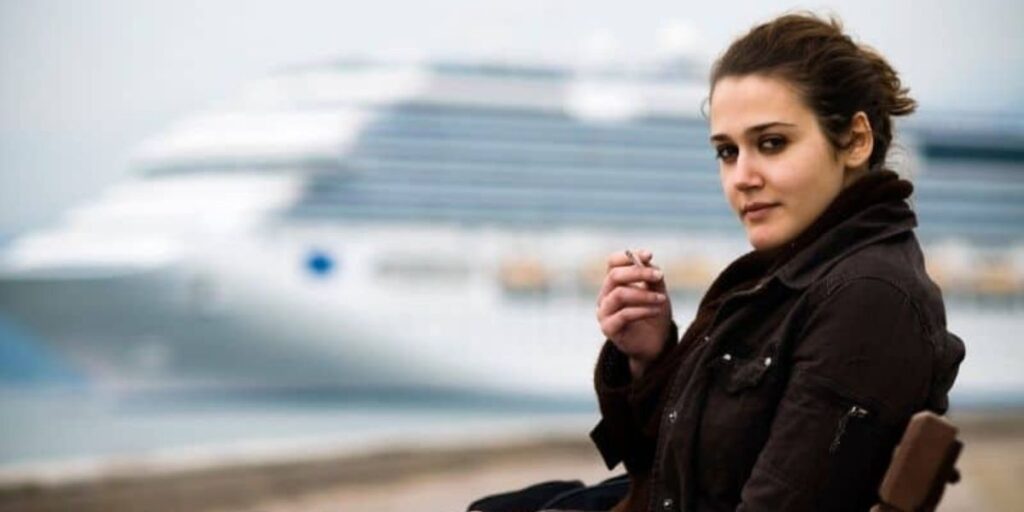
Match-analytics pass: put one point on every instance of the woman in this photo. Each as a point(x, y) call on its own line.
point(808, 355)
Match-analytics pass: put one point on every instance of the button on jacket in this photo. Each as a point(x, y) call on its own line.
point(793, 384)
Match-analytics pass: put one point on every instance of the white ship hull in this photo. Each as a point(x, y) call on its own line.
point(445, 227)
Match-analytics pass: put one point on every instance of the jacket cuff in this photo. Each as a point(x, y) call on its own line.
point(610, 450)
point(648, 393)
point(612, 376)
point(629, 408)
point(612, 383)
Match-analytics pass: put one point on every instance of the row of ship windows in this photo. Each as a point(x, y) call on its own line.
point(686, 186)
point(935, 132)
point(940, 183)
point(446, 128)
point(988, 279)
point(375, 167)
point(674, 157)
point(666, 201)
point(433, 113)
point(995, 182)
point(622, 156)
point(933, 223)
point(442, 122)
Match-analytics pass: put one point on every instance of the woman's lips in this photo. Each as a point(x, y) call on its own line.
point(758, 211)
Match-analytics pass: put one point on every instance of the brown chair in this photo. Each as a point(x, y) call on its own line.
point(922, 464)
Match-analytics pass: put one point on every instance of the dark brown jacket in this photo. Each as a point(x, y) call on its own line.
point(794, 382)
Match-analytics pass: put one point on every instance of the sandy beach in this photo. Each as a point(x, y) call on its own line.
point(448, 478)
point(992, 467)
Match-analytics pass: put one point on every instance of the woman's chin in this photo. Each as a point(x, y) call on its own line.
point(762, 240)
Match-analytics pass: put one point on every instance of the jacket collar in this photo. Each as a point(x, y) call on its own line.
point(876, 223)
point(871, 209)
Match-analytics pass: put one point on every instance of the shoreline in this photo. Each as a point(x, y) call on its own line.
point(436, 472)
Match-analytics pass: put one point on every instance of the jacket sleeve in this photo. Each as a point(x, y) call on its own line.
point(860, 369)
point(628, 429)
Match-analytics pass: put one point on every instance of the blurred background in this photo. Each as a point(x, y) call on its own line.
point(307, 255)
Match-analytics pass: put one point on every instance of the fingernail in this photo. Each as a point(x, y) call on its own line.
point(659, 297)
point(657, 274)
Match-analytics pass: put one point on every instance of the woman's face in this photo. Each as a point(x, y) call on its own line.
point(778, 170)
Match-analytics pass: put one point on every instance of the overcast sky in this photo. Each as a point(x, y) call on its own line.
point(83, 81)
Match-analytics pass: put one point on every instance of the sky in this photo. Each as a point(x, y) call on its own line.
point(83, 82)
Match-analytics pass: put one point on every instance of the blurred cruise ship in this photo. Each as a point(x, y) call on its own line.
point(444, 225)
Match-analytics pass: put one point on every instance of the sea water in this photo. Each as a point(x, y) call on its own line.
point(50, 414)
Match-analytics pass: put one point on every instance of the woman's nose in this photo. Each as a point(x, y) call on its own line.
point(747, 175)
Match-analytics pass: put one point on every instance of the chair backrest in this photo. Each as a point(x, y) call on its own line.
point(922, 464)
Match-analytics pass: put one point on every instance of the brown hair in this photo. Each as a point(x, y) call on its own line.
point(835, 76)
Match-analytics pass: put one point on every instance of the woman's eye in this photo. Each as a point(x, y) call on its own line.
point(725, 152)
point(772, 143)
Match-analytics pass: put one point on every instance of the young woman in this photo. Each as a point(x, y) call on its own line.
point(808, 355)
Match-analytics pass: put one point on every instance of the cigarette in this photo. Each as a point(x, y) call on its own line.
point(633, 258)
point(636, 262)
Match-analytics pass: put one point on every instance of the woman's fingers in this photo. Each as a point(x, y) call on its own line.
point(649, 277)
point(620, 258)
point(627, 296)
point(611, 325)
point(632, 274)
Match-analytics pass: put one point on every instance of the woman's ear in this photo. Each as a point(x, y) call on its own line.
point(862, 141)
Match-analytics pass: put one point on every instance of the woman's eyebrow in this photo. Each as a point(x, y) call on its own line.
point(753, 129)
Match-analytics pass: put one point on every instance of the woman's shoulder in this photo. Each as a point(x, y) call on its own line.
point(898, 264)
point(897, 260)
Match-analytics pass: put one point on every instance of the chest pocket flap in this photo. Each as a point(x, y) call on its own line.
point(737, 374)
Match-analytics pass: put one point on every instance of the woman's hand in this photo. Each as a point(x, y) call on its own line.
point(633, 309)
